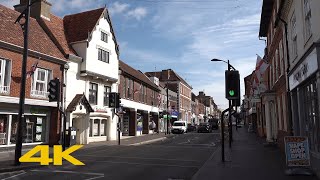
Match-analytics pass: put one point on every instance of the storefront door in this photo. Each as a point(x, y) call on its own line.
point(311, 114)
point(77, 124)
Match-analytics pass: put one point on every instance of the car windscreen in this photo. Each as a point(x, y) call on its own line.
point(178, 124)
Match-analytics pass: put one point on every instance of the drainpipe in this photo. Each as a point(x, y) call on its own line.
point(290, 123)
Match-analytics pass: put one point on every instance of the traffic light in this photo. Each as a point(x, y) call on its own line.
point(232, 85)
point(118, 101)
point(112, 99)
point(237, 102)
point(54, 90)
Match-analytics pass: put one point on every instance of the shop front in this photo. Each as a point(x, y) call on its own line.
point(36, 125)
point(304, 85)
point(129, 125)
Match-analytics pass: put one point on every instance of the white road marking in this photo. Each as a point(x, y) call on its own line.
point(95, 178)
point(149, 141)
point(183, 146)
point(23, 172)
point(146, 164)
point(142, 158)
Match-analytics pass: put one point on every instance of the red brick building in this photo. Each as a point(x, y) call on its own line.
point(179, 85)
point(41, 117)
point(275, 100)
point(139, 97)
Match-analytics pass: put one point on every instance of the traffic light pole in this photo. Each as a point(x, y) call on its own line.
point(168, 120)
point(222, 134)
point(25, 28)
point(229, 114)
point(118, 125)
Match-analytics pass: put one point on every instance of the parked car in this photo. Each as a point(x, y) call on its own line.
point(191, 128)
point(179, 127)
point(214, 123)
point(204, 127)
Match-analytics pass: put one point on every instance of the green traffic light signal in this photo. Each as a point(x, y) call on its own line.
point(232, 85)
point(231, 92)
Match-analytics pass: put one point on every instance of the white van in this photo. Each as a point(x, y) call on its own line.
point(179, 127)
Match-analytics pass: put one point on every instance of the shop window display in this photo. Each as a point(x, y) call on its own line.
point(3, 129)
point(98, 127)
point(33, 129)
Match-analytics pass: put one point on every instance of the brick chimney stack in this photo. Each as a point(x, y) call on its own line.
point(40, 9)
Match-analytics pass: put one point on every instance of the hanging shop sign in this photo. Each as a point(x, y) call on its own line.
point(297, 151)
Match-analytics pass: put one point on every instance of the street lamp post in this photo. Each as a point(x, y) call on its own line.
point(230, 104)
point(25, 27)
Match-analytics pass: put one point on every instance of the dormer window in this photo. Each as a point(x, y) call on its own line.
point(104, 37)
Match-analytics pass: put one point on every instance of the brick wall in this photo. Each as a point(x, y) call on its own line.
point(136, 96)
point(16, 60)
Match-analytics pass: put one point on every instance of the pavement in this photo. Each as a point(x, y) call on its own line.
point(7, 154)
point(247, 159)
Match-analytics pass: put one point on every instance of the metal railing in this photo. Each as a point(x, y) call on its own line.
point(40, 94)
point(4, 89)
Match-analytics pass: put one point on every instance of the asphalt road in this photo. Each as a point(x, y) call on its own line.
point(177, 157)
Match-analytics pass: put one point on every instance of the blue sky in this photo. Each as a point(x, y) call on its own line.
point(183, 35)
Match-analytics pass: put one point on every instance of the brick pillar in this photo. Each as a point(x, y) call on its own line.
point(145, 129)
point(132, 123)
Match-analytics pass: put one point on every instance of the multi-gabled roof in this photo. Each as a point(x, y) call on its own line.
point(78, 27)
point(163, 76)
point(137, 75)
point(39, 40)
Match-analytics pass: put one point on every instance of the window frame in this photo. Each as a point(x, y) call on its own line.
point(104, 37)
point(5, 75)
point(106, 91)
point(48, 76)
point(99, 133)
point(294, 36)
point(91, 85)
point(103, 55)
point(307, 19)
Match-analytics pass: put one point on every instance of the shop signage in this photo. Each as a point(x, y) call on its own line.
point(100, 109)
point(35, 110)
point(304, 70)
point(297, 151)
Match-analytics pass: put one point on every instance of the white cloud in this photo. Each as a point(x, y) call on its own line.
point(138, 13)
point(117, 8)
